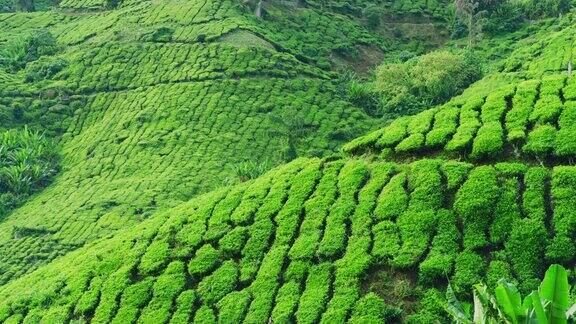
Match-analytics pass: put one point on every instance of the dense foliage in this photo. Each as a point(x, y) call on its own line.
point(549, 304)
point(28, 160)
point(153, 110)
point(305, 240)
point(412, 86)
point(157, 104)
point(530, 119)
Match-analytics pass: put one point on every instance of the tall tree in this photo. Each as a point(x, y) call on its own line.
point(472, 12)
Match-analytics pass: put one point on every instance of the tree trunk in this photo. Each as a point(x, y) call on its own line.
point(258, 11)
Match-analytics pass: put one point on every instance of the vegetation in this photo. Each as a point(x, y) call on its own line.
point(509, 122)
point(549, 304)
point(201, 176)
point(28, 161)
point(275, 246)
point(410, 87)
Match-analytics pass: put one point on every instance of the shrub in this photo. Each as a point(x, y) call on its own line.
point(497, 269)
point(217, 285)
point(394, 133)
point(372, 309)
point(444, 126)
point(205, 260)
point(411, 143)
point(455, 173)
point(155, 257)
point(416, 229)
point(89, 299)
point(166, 288)
point(232, 307)
point(546, 110)
point(526, 248)
point(288, 218)
point(44, 69)
point(233, 242)
point(564, 144)
point(315, 295)
point(110, 292)
point(133, 299)
point(316, 211)
point(469, 270)
point(488, 142)
point(350, 180)
point(205, 315)
point(386, 240)
point(421, 123)
point(535, 193)
point(393, 199)
point(265, 285)
point(495, 106)
point(522, 104)
point(218, 223)
point(286, 302)
point(541, 140)
point(561, 247)
point(469, 124)
point(425, 185)
point(439, 262)
point(184, 307)
point(429, 80)
point(506, 211)
point(474, 204)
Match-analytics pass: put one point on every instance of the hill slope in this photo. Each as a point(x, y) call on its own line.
point(309, 241)
point(156, 102)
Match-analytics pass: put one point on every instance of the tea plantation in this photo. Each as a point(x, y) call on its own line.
point(156, 102)
point(530, 119)
point(176, 161)
point(305, 241)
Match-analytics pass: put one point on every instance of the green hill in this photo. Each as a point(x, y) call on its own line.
point(315, 240)
point(167, 115)
point(152, 109)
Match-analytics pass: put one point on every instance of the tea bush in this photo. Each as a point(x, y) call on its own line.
point(269, 275)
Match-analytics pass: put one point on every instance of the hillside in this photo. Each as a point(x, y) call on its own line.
point(152, 109)
point(311, 240)
point(167, 116)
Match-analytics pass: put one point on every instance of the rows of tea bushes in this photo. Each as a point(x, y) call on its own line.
point(533, 118)
point(129, 153)
point(318, 36)
point(537, 54)
point(119, 66)
point(157, 102)
point(299, 242)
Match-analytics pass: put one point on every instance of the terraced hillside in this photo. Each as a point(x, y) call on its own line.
point(315, 240)
point(154, 105)
point(533, 118)
point(156, 102)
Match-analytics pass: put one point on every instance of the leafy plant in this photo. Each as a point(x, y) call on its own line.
point(431, 79)
point(548, 304)
point(27, 161)
point(248, 170)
